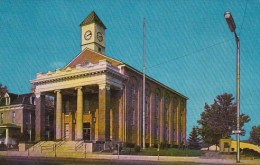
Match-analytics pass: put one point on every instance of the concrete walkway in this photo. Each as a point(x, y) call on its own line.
point(104, 156)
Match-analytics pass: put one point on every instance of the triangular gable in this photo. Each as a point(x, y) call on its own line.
point(91, 56)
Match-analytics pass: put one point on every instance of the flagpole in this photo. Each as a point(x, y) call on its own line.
point(144, 51)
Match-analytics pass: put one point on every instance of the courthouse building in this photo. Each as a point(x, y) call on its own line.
point(99, 98)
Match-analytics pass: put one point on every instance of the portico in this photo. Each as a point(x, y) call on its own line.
point(82, 95)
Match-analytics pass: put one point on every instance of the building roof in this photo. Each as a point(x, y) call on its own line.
point(18, 99)
point(88, 55)
point(91, 18)
point(22, 99)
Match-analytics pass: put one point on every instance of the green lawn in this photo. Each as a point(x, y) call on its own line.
point(163, 152)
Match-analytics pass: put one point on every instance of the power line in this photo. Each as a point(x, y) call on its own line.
point(243, 18)
point(189, 54)
point(200, 50)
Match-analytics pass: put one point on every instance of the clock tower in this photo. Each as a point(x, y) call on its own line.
point(93, 33)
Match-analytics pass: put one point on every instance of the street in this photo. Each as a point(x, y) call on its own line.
point(64, 161)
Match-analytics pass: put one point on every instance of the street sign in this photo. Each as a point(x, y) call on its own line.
point(241, 132)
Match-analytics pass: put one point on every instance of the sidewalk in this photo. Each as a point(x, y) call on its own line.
point(127, 157)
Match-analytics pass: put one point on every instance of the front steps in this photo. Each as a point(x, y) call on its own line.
point(61, 149)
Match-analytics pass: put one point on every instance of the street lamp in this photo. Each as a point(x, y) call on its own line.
point(232, 27)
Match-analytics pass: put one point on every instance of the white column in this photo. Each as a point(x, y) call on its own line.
point(7, 136)
point(58, 114)
point(79, 121)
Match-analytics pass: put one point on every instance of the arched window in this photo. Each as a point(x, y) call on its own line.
point(7, 99)
point(133, 104)
point(157, 101)
point(166, 109)
point(147, 113)
point(166, 117)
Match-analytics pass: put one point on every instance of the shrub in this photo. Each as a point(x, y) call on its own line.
point(147, 145)
point(137, 148)
point(155, 145)
point(130, 145)
point(175, 146)
point(250, 152)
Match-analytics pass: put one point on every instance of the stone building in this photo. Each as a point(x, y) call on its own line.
point(99, 98)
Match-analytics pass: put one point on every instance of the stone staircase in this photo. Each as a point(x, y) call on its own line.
point(63, 149)
point(71, 148)
point(42, 148)
point(76, 149)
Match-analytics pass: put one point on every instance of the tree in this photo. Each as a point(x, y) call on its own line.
point(219, 119)
point(3, 90)
point(194, 139)
point(255, 135)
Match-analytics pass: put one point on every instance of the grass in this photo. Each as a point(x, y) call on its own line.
point(163, 152)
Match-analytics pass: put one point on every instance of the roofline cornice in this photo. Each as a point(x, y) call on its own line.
point(9, 107)
point(155, 81)
point(78, 73)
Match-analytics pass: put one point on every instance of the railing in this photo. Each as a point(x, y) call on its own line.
point(78, 145)
point(48, 147)
point(60, 142)
point(38, 144)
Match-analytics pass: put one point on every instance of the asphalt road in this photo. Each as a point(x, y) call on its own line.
point(62, 161)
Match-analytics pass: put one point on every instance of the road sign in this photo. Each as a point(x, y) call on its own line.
point(241, 132)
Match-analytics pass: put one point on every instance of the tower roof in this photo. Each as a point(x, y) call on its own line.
point(92, 17)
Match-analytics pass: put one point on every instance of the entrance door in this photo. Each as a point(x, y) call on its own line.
point(86, 131)
point(67, 131)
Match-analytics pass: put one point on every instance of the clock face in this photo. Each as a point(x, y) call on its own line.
point(88, 35)
point(99, 36)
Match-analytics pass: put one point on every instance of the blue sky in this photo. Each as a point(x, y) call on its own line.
point(188, 44)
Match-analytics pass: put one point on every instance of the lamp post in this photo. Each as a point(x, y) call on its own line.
point(232, 27)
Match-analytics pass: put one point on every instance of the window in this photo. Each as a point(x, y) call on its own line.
point(29, 118)
point(156, 116)
point(2, 118)
point(166, 134)
point(32, 100)
point(67, 107)
point(166, 109)
point(147, 111)
point(157, 108)
point(86, 105)
point(133, 116)
point(7, 101)
point(133, 104)
point(47, 120)
point(13, 117)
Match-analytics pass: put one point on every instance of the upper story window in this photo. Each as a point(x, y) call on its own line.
point(157, 106)
point(133, 104)
point(2, 118)
point(7, 101)
point(166, 107)
point(32, 100)
point(67, 107)
point(13, 117)
point(29, 118)
point(86, 106)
